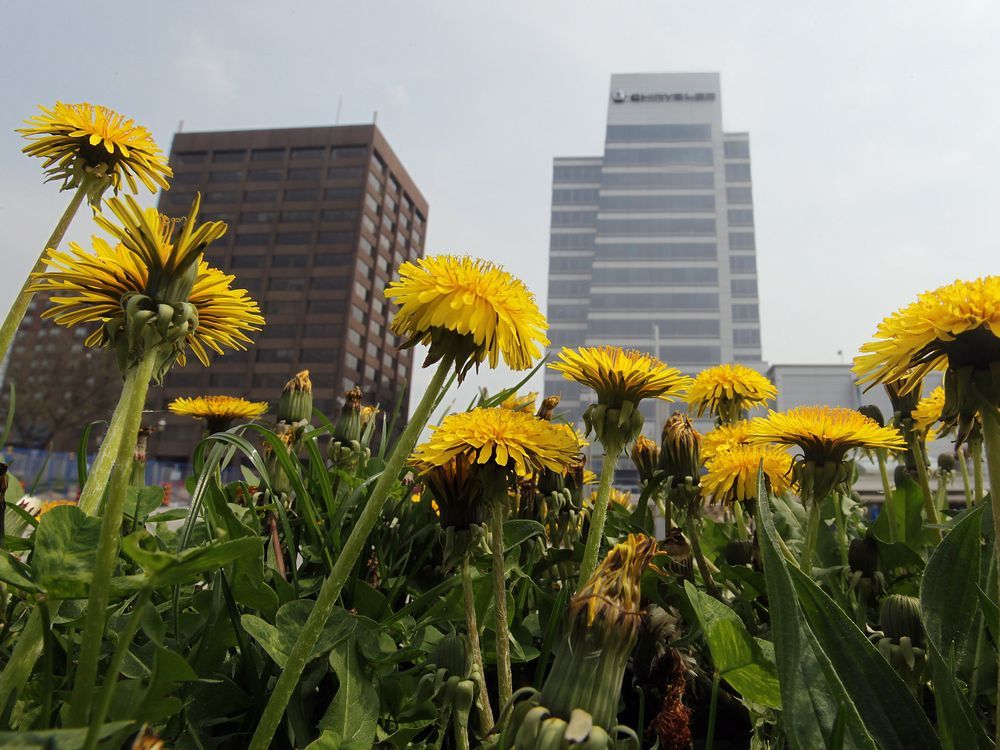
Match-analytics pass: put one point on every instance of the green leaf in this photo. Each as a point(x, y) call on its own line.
point(147, 499)
point(172, 568)
point(890, 713)
point(958, 725)
point(740, 659)
point(16, 573)
point(906, 504)
point(811, 694)
point(520, 530)
point(991, 614)
point(65, 551)
point(279, 638)
point(58, 739)
point(949, 591)
point(352, 715)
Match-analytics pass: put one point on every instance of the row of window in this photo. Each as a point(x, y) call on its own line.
point(576, 173)
point(655, 251)
point(665, 276)
point(301, 153)
point(743, 263)
point(737, 173)
point(740, 217)
point(244, 261)
point(668, 180)
point(738, 195)
point(679, 203)
point(659, 133)
point(658, 157)
point(640, 301)
point(626, 227)
point(265, 239)
point(668, 327)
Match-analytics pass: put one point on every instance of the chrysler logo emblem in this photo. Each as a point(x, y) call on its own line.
point(618, 96)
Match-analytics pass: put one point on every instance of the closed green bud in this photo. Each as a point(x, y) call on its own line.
point(946, 462)
point(646, 458)
point(296, 403)
point(899, 617)
point(873, 413)
point(862, 556)
point(680, 453)
point(348, 427)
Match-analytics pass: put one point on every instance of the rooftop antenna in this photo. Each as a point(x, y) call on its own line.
point(840, 353)
point(180, 126)
point(340, 103)
point(374, 117)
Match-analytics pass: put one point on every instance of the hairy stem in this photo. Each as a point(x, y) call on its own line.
point(991, 437)
point(130, 405)
point(472, 625)
point(504, 681)
point(890, 513)
point(596, 531)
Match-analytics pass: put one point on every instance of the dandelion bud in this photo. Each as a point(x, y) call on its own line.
point(739, 552)
point(680, 456)
point(348, 427)
point(873, 413)
point(862, 556)
point(548, 406)
point(646, 457)
point(946, 462)
point(296, 403)
point(899, 617)
point(452, 654)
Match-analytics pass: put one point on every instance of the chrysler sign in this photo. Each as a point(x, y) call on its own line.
point(619, 97)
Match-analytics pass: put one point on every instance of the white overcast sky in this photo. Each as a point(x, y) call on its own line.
point(875, 126)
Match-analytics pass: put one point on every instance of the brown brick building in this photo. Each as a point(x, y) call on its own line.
point(319, 220)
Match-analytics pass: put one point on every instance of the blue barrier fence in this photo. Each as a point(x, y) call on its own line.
point(42, 471)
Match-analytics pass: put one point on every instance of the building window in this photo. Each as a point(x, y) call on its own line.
point(737, 173)
point(338, 194)
point(743, 264)
point(281, 331)
point(374, 182)
point(746, 313)
point(372, 202)
point(189, 157)
point(260, 196)
point(576, 174)
point(626, 227)
point(736, 149)
point(308, 152)
point(304, 173)
point(573, 218)
point(229, 156)
point(275, 355)
point(221, 196)
point(318, 354)
point(289, 261)
point(225, 175)
point(344, 173)
point(256, 217)
point(743, 288)
point(226, 380)
point(740, 217)
point(252, 240)
point(354, 337)
point(293, 238)
point(187, 178)
point(264, 175)
point(287, 284)
point(332, 259)
point(339, 214)
point(348, 152)
point(335, 237)
point(659, 133)
point(321, 330)
point(738, 195)
point(299, 216)
point(654, 157)
point(269, 380)
point(746, 337)
point(742, 241)
point(302, 194)
point(283, 307)
point(351, 362)
point(247, 261)
point(325, 306)
point(267, 154)
point(329, 282)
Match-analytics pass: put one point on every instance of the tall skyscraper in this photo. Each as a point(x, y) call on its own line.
point(652, 243)
point(319, 219)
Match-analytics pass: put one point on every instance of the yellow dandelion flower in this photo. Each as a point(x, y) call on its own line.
point(928, 410)
point(469, 309)
point(83, 141)
point(589, 477)
point(95, 288)
point(219, 412)
point(954, 326)
point(723, 438)
point(47, 506)
point(824, 433)
point(726, 391)
point(517, 402)
point(732, 474)
point(501, 437)
point(617, 375)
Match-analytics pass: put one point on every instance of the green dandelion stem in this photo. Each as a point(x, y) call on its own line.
point(131, 403)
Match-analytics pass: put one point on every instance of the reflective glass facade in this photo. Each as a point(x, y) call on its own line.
point(652, 243)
